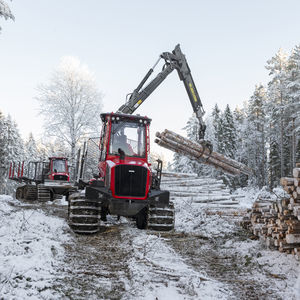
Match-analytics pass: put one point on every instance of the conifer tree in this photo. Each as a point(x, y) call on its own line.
point(293, 106)
point(31, 149)
point(257, 158)
point(239, 117)
point(2, 152)
point(227, 141)
point(229, 133)
point(217, 128)
point(276, 108)
point(12, 151)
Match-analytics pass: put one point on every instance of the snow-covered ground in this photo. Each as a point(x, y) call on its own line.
point(30, 248)
point(207, 257)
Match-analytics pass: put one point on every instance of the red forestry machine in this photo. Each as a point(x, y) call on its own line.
point(125, 184)
point(42, 181)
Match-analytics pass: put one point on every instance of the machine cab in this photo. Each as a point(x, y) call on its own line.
point(58, 169)
point(125, 143)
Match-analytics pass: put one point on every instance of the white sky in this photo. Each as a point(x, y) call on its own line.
point(227, 44)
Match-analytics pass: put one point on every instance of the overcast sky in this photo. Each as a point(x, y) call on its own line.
point(226, 43)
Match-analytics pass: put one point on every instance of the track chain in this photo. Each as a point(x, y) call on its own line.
point(20, 193)
point(44, 193)
point(26, 192)
point(161, 219)
point(83, 214)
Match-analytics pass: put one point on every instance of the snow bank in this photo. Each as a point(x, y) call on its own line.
point(30, 247)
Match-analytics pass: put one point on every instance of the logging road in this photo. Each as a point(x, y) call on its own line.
point(207, 257)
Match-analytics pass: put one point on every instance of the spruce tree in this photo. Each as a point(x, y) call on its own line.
point(257, 153)
point(217, 128)
point(239, 117)
point(2, 153)
point(229, 133)
point(31, 149)
point(227, 143)
point(277, 119)
point(298, 151)
point(293, 105)
point(12, 151)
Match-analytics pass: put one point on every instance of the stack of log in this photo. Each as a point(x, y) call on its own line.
point(278, 222)
point(210, 193)
point(201, 152)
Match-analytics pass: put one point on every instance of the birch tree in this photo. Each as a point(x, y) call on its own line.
point(70, 103)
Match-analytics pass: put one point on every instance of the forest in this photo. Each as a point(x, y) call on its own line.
point(264, 133)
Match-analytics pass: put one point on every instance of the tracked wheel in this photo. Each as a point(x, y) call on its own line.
point(44, 194)
point(142, 218)
point(29, 192)
point(161, 219)
point(83, 214)
point(19, 193)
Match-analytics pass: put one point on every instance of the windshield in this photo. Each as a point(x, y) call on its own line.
point(59, 166)
point(129, 137)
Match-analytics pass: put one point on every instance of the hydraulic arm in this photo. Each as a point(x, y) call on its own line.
point(175, 60)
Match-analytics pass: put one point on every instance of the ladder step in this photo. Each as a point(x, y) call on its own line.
point(159, 225)
point(161, 209)
point(81, 224)
point(84, 216)
point(85, 207)
point(161, 217)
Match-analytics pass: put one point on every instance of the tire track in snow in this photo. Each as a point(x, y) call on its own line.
point(157, 271)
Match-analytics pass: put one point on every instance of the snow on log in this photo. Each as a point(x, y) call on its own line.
point(296, 172)
point(293, 238)
point(296, 181)
point(285, 181)
point(278, 223)
point(200, 152)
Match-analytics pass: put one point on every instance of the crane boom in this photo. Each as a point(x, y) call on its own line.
point(175, 60)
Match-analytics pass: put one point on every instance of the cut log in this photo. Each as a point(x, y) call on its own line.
point(296, 182)
point(176, 137)
point(296, 172)
point(296, 196)
point(292, 238)
point(294, 201)
point(200, 152)
point(192, 154)
point(282, 220)
point(289, 188)
point(284, 181)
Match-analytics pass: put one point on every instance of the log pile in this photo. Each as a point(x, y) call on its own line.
point(210, 193)
point(200, 152)
point(277, 223)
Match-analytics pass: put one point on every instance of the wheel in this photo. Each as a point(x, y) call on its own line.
point(44, 194)
point(20, 192)
point(29, 192)
point(142, 218)
point(161, 219)
point(83, 214)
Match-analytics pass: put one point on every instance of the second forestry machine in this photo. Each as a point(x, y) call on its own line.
point(125, 185)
